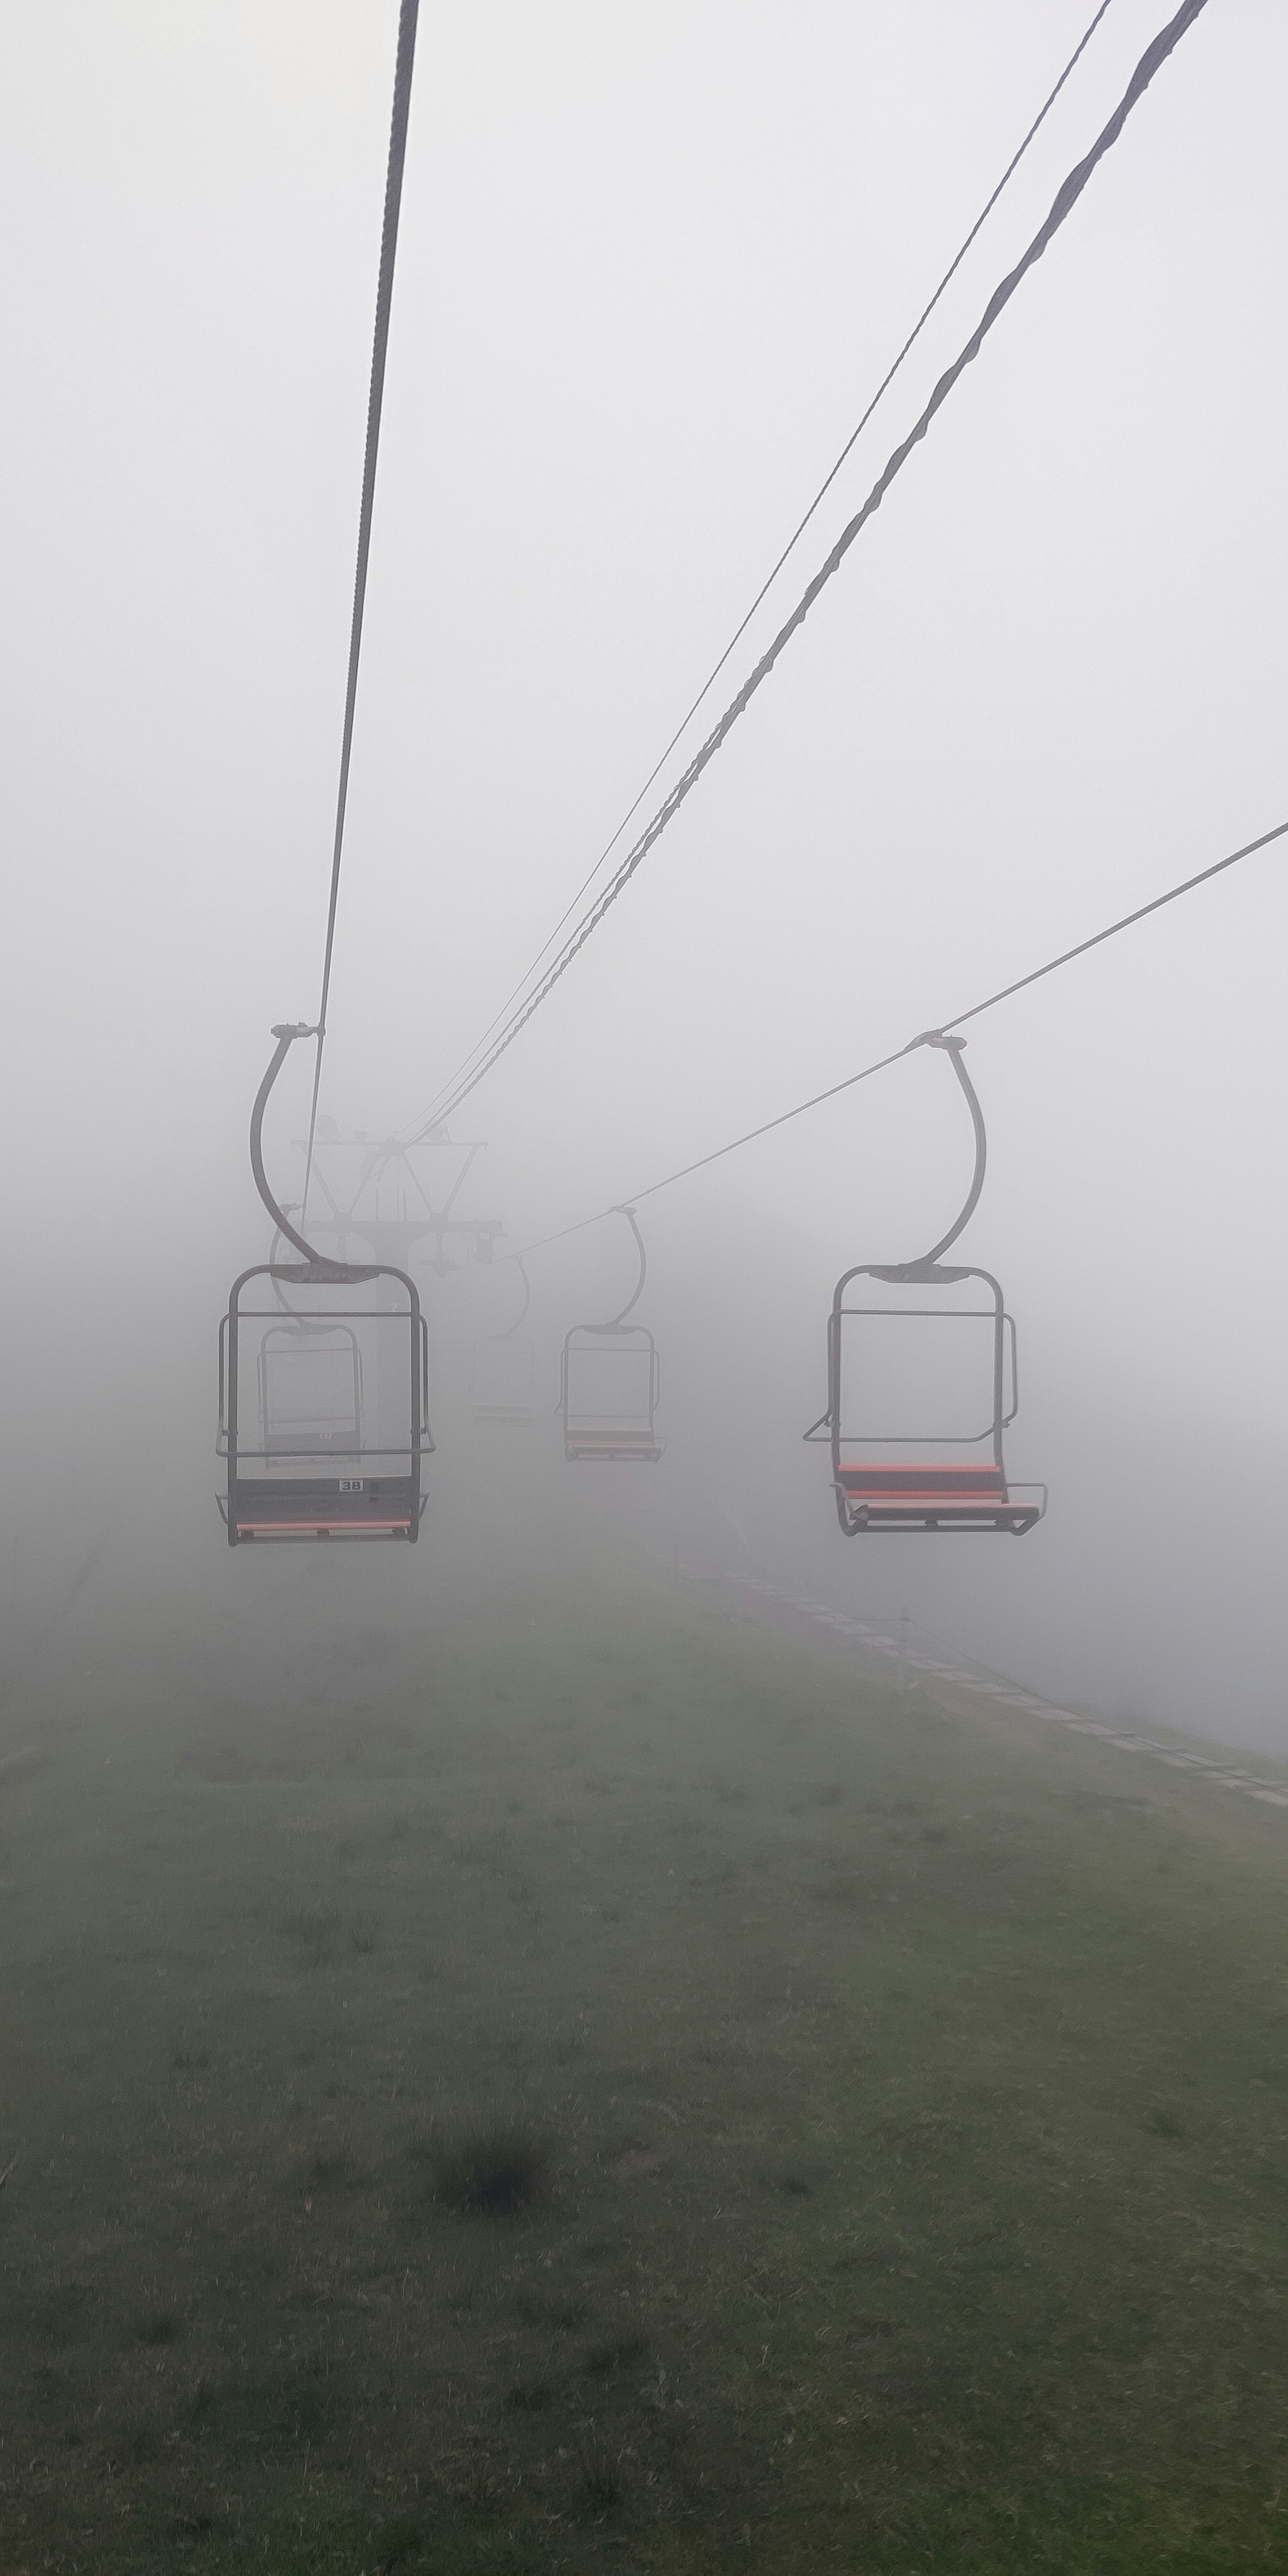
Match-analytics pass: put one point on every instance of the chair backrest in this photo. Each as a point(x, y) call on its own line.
point(611, 1379)
point(921, 1367)
point(310, 1388)
point(339, 1360)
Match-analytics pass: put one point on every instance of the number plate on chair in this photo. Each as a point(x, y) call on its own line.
point(351, 1484)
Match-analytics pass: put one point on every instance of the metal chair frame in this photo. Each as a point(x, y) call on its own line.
point(507, 1417)
point(907, 1498)
point(390, 1503)
point(593, 1438)
point(610, 1437)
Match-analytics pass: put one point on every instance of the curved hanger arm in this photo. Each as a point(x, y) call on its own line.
point(292, 1314)
point(286, 1032)
point(952, 1047)
point(634, 1298)
point(527, 1297)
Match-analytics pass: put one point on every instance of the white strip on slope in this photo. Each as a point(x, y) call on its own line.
point(1006, 1695)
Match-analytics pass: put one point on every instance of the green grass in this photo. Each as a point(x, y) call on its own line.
point(660, 2104)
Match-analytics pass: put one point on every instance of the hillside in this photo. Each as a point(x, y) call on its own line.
point(882, 2109)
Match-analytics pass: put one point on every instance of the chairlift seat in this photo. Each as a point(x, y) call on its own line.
point(325, 1507)
point(956, 1495)
point(616, 1443)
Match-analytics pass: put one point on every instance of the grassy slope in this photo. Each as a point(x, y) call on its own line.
point(916, 2102)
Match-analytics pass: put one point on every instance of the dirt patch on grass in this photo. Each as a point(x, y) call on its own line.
point(491, 2167)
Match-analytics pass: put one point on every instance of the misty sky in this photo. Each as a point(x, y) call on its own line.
point(653, 262)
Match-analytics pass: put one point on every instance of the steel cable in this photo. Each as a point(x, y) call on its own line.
point(881, 1064)
point(407, 15)
point(797, 533)
point(1151, 61)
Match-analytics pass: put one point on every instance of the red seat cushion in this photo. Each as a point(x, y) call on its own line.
point(914, 1484)
point(613, 1439)
point(312, 1528)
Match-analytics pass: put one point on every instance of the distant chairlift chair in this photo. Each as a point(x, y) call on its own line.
point(882, 1477)
point(611, 1385)
point(341, 1384)
point(310, 1390)
point(504, 1373)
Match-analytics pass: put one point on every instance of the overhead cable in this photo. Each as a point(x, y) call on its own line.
point(881, 1064)
point(407, 15)
point(1151, 61)
point(797, 533)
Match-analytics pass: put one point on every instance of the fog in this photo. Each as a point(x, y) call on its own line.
point(652, 265)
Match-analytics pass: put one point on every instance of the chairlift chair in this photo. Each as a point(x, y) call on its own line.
point(340, 1372)
point(504, 1373)
point(611, 1384)
point(925, 1473)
